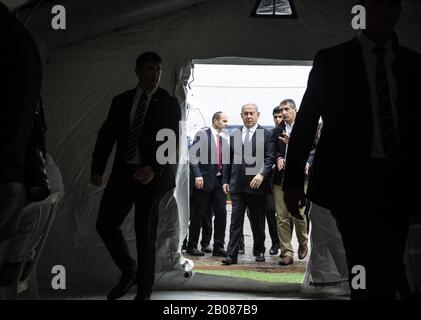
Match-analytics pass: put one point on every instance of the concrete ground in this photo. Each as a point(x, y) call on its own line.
point(205, 287)
point(247, 260)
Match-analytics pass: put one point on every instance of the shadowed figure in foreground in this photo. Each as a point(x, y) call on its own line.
point(365, 162)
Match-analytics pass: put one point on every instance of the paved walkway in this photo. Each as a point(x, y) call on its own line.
point(247, 260)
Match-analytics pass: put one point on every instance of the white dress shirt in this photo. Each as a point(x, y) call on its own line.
point(221, 133)
point(252, 131)
point(288, 129)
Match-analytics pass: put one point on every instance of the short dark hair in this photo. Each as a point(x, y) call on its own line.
point(216, 116)
point(277, 109)
point(146, 57)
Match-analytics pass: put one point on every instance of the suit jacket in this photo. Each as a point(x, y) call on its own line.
point(338, 91)
point(280, 150)
point(207, 169)
point(163, 112)
point(21, 69)
point(235, 173)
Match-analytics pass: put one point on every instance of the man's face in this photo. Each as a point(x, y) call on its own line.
point(277, 119)
point(222, 123)
point(382, 15)
point(288, 113)
point(250, 116)
point(150, 75)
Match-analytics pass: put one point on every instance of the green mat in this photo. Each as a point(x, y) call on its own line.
point(284, 277)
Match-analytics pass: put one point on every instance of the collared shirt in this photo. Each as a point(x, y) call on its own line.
point(137, 158)
point(221, 133)
point(370, 60)
point(216, 134)
point(245, 129)
point(288, 129)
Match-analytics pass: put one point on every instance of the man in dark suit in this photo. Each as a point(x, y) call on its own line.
point(134, 119)
point(270, 200)
point(246, 178)
point(364, 163)
point(21, 70)
point(207, 191)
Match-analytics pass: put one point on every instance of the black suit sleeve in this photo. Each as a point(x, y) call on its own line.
point(21, 70)
point(169, 119)
point(268, 162)
point(278, 151)
point(173, 120)
point(194, 165)
point(305, 126)
point(106, 138)
point(226, 165)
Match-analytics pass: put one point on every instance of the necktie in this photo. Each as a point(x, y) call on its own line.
point(135, 128)
point(247, 138)
point(219, 147)
point(247, 147)
point(389, 133)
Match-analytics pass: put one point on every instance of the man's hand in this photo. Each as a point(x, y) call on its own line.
point(294, 200)
point(144, 175)
point(198, 182)
point(257, 181)
point(307, 168)
point(284, 137)
point(226, 188)
point(280, 163)
point(96, 180)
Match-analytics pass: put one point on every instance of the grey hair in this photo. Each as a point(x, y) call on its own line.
point(290, 102)
point(250, 104)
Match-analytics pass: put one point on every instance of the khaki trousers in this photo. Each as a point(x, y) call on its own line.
point(283, 224)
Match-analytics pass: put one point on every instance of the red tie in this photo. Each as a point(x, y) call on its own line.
point(219, 149)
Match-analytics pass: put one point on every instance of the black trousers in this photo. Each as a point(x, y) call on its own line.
point(271, 218)
point(256, 205)
point(121, 193)
point(374, 229)
point(203, 204)
point(207, 228)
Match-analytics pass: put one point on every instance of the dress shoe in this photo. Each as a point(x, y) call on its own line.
point(219, 252)
point(124, 285)
point(286, 260)
point(228, 261)
point(142, 296)
point(274, 250)
point(241, 251)
point(260, 257)
point(206, 249)
point(195, 252)
point(302, 250)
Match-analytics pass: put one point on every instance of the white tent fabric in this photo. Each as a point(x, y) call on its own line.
point(327, 265)
point(81, 79)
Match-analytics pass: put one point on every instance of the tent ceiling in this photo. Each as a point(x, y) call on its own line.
point(86, 19)
point(15, 4)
